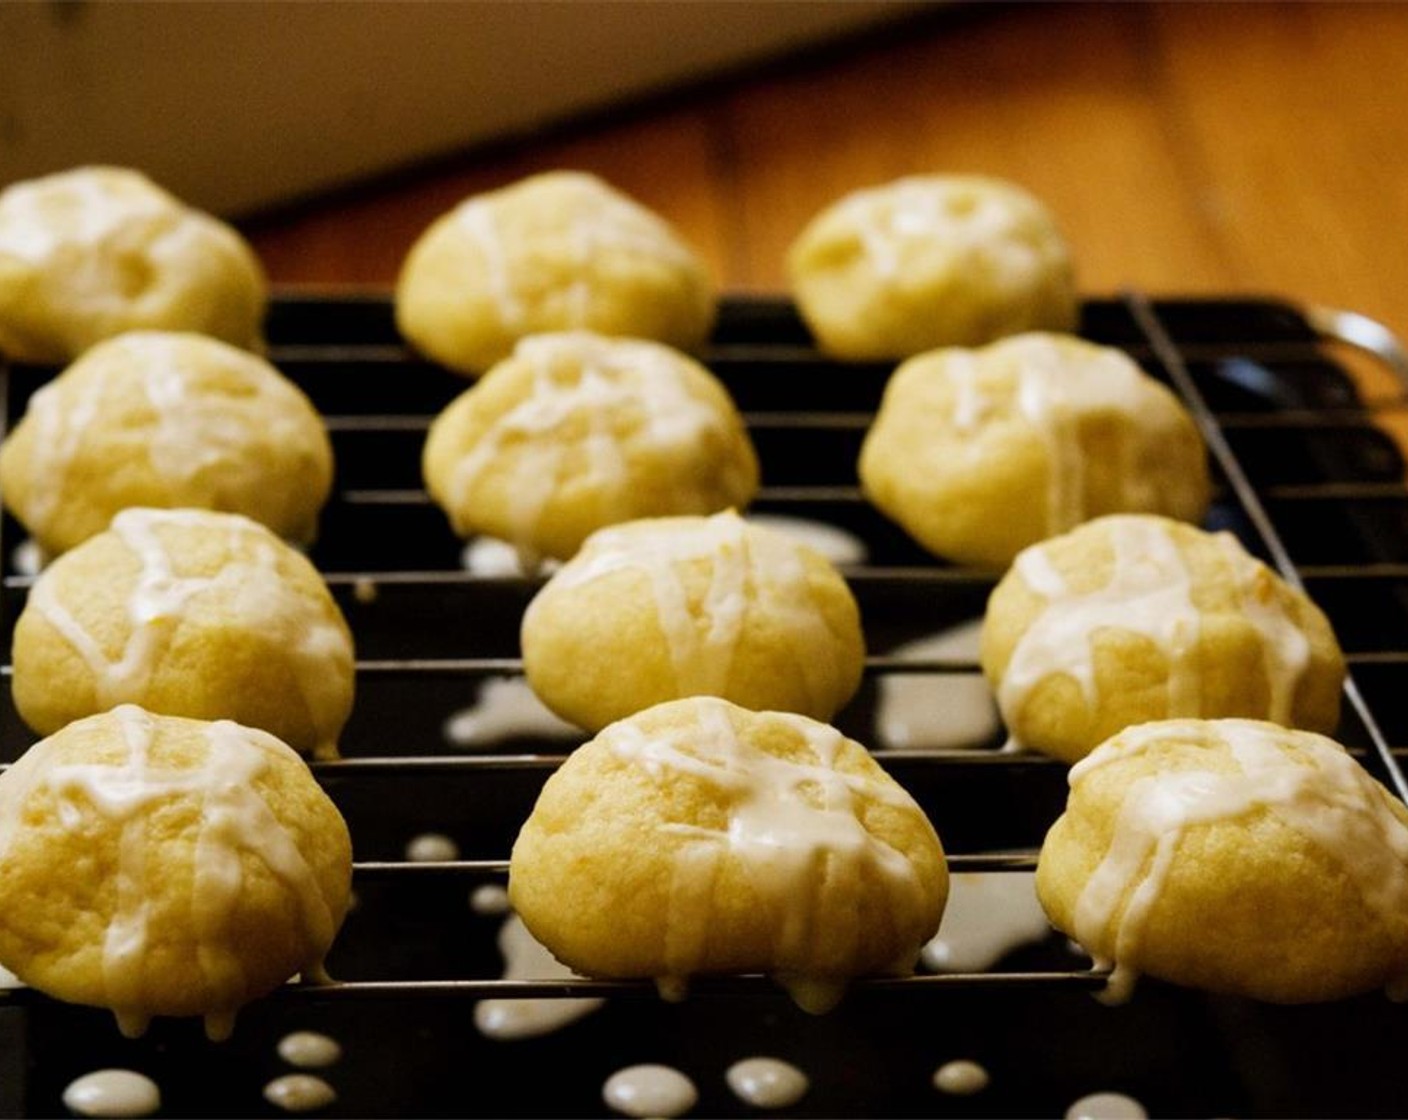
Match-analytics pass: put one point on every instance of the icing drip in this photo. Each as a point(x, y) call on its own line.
point(526, 959)
point(299, 1092)
point(940, 710)
point(160, 599)
point(744, 566)
point(1318, 790)
point(112, 1092)
point(581, 379)
point(506, 708)
point(309, 1050)
point(1053, 393)
point(650, 1090)
point(1149, 593)
point(961, 1078)
point(786, 821)
point(233, 820)
point(985, 918)
point(767, 1082)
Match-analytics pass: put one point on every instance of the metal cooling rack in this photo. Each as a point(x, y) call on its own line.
point(1307, 476)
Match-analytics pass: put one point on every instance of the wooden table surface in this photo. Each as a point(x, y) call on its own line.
point(1185, 148)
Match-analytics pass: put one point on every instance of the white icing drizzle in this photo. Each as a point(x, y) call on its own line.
point(938, 711)
point(784, 819)
point(61, 413)
point(299, 1092)
point(432, 847)
point(743, 564)
point(193, 429)
point(506, 708)
point(112, 1092)
point(961, 1078)
point(234, 820)
point(526, 959)
point(1318, 790)
point(489, 899)
point(767, 1082)
point(489, 556)
point(985, 918)
point(317, 649)
point(918, 210)
point(579, 377)
point(1106, 1106)
point(476, 217)
point(650, 1090)
point(40, 217)
point(1053, 393)
point(1149, 593)
point(309, 1050)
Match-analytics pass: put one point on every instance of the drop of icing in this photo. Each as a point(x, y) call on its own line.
point(432, 847)
point(507, 708)
point(112, 1092)
point(28, 558)
point(364, 590)
point(946, 711)
point(489, 556)
point(1106, 1106)
point(299, 1092)
point(309, 1050)
point(987, 916)
point(650, 1090)
point(489, 899)
point(767, 1082)
point(526, 959)
point(961, 1078)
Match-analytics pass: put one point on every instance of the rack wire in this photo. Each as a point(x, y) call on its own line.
point(1305, 473)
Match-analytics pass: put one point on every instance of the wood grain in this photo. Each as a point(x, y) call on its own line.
point(1184, 148)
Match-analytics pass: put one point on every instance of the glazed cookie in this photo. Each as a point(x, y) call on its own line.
point(90, 253)
point(1133, 618)
point(698, 837)
point(927, 261)
point(162, 866)
point(670, 607)
point(187, 613)
point(553, 252)
point(155, 418)
point(979, 453)
point(1232, 855)
point(575, 432)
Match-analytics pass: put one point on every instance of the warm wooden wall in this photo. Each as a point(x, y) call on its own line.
point(1184, 148)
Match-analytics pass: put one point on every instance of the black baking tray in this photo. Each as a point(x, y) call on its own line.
point(1304, 476)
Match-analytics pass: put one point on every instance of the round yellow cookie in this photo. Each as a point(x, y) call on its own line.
point(1132, 618)
point(187, 613)
point(552, 252)
point(671, 607)
point(163, 866)
point(979, 453)
point(156, 418)
point(1232, 855)
point(90, 253)
point(576, 431)
point(698, 837)
point(927, 261)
